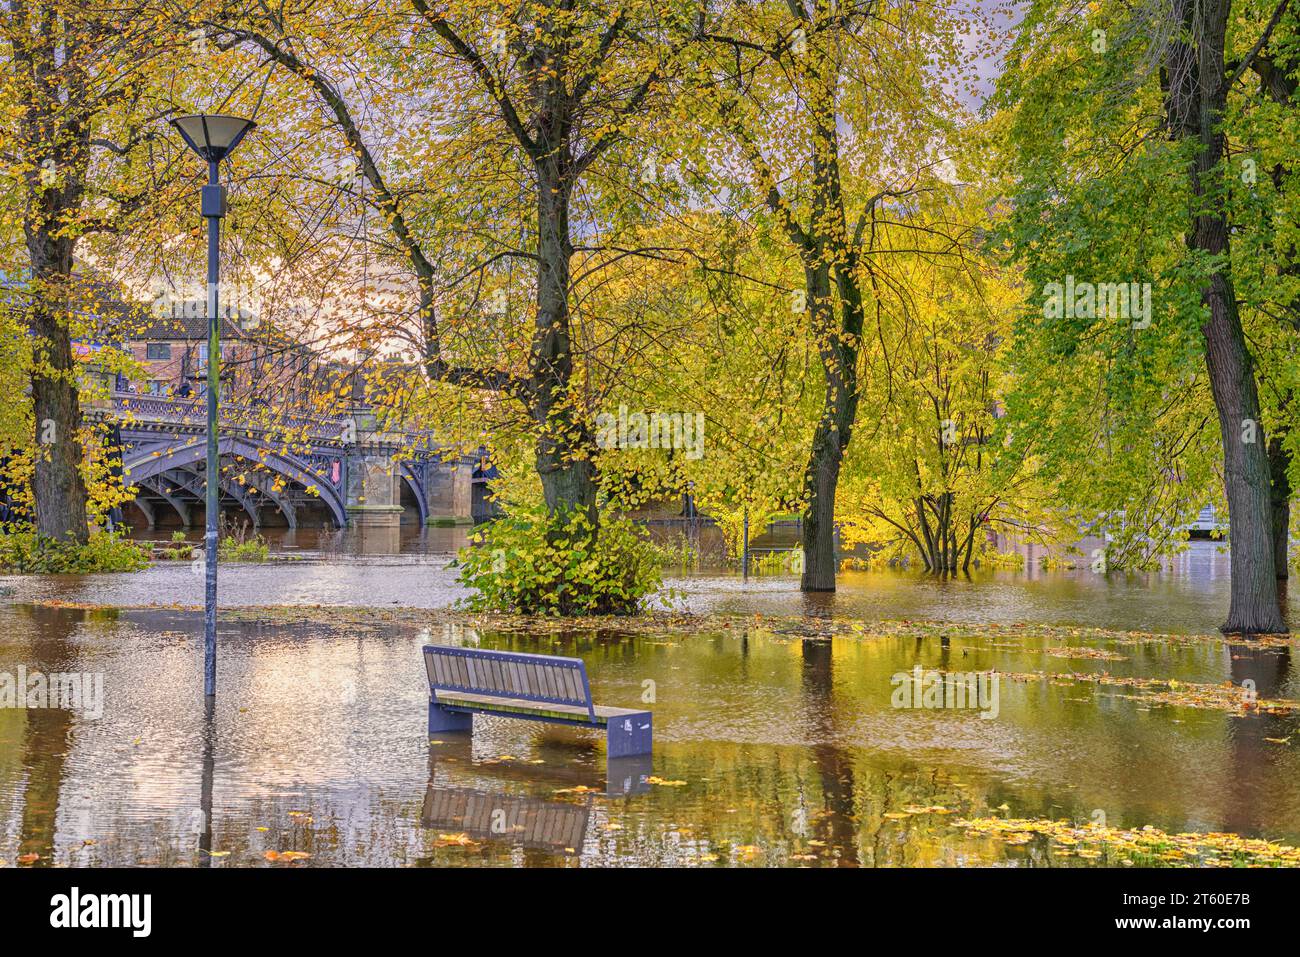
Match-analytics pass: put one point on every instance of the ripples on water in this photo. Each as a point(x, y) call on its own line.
point(789, 750)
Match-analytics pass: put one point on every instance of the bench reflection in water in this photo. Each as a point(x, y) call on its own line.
point(556, 826)
point(451, 757)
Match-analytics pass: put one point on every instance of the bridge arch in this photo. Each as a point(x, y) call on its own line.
point(412, 480)
point(156, 486)
point(145, 462)
point(191, 481)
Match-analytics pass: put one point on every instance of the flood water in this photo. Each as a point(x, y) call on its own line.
point(768, 748)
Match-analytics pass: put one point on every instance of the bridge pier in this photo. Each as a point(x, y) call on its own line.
point(450, 493)
point(374, 498)
point(374, 481)
point(375, 475)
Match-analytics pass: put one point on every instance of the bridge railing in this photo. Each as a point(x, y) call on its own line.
point(194, 410)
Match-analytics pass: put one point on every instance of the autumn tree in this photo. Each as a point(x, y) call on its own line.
point(808, 91)
point(540, 93)
point(1120, 131)
point(76, 113)
point(932, 476)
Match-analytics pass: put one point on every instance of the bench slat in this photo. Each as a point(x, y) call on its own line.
point(546, 679)
point(453, 699)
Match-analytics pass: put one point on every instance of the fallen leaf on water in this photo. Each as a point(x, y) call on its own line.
point(28, 858)
point(579, 789)
point(285, 855)
point(663, 783)
point(454, 840)
point(1278, 740)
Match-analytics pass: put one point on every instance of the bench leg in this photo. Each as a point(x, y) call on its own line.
point(629, 734)
point(627, 776)
point(442, 719)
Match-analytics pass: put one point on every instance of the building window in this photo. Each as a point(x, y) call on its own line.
point(158, 350)
point(158, 387)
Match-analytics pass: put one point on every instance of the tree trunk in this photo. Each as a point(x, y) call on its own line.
point(1195, 105)
point(819, 565)
point(54, 138)
point(827, 254)
point(1279, 462)
point(58, 486)
point(564, 440)
point(1281, 88)
point(837, 343)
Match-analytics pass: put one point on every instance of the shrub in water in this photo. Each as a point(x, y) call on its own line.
point(31, 554)
point(535, 563)
point(253, 549)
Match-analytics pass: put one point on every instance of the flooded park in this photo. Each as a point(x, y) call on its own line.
point(779, 734)
point(551, 443)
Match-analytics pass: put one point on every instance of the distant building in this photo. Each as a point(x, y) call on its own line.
point(257, 363)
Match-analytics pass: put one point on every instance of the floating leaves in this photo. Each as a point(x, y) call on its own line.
point(285, 856)
point(1168, 691)
point(1098, 654)
point(1147, 845)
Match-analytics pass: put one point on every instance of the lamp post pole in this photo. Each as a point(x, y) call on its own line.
point(213, 137)
point(214, 203)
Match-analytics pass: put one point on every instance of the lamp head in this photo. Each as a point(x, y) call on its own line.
point(212, 135)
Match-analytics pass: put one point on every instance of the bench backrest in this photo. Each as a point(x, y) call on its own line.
point(509, 674)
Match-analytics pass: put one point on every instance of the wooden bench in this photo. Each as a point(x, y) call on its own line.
point(468, 681)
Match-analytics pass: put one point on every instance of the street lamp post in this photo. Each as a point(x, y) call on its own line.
point(213, 138)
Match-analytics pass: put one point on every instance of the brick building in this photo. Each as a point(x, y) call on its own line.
point(256, 362)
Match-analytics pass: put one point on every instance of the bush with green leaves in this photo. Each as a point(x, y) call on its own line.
point(538, 564)
point(30, 554)
point(233, 549)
